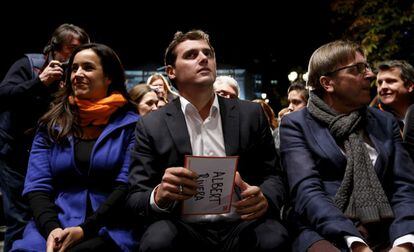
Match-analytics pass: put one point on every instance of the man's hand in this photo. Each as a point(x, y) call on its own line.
point(178, 183)
point(53, 72)
point(70, 237)
point(253, 204)
point(405, 247)
point(54, 240)
point(360, 247)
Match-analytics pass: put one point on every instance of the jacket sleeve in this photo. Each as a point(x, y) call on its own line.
point(310, 200)
point(272, 186)
point(402, 199)
point(142, 177)
point(124, 172)
point(38, 187)
point(107, 213)
point(44, 212)
point(110, 211)
point(18, 83)
point(39, 175)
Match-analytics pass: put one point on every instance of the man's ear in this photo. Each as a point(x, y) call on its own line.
point(170, 72)
point(410, 86)
point(327, 83)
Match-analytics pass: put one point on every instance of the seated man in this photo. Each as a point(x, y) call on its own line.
point(202, 123)
point(351, 180)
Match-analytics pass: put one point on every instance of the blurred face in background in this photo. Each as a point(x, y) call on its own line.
point(64, 54)
point(161, 102)
point(391, 88)
point(148, 103)
point(159, 86)
point(296, 100)
point(226, 91)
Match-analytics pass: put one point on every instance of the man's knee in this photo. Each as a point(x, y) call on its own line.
point(270, 235)
point(160, 236)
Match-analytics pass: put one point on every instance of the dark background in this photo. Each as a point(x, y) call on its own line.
point(269, 38)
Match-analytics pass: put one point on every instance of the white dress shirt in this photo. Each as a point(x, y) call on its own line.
point(206, 139)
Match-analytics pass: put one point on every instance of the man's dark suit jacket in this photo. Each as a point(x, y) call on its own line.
point(315, 166)
point(408, 134)
point(162, 141)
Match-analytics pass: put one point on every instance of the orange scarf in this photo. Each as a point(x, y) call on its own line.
point(94, 115)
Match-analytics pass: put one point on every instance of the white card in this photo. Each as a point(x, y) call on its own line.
point(215, 184)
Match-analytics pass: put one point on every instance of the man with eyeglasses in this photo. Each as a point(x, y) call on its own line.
point(351, 179)
point(395, 86)
point(226, 87)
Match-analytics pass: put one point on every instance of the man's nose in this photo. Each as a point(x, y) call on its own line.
point(370, 75)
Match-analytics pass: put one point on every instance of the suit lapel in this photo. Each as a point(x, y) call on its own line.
point(229, 112)
point(178, 128)
point(377, 138)
point(324, 139)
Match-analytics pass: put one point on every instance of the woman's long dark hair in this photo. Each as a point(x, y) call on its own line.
point(62, 119)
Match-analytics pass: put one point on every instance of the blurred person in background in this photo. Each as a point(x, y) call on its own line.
point(144, 98)
point(162, 86)
point(25, 93)
point(297, 96)
point(227, 87)
point(395, 88)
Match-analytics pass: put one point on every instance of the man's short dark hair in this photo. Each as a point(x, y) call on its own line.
point(407, 70)
point(300, 87)
point(179, 37)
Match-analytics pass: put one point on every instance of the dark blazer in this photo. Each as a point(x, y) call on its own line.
point(408, 133)
point(23, 100)
point(162, 141)
point(315, 167)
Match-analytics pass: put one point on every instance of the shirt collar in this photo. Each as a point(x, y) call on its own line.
point(186, 106)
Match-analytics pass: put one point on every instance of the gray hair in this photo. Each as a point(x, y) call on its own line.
point(227, 80)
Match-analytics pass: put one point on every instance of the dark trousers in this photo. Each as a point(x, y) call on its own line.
point(175, 235)
point(99, 244)
point(16, 210)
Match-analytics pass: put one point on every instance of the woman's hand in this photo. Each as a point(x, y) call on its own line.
point(54, 240)
point(360, 247)
point(70, 237)
point(405, 247)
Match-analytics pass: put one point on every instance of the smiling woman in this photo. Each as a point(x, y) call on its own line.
point(82, 213)
point(87, 76)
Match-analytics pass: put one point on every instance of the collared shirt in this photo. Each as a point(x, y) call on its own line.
point(206, 136)
point(206, 139)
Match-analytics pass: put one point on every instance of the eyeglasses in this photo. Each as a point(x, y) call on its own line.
point(361, 68)
point(226, 94)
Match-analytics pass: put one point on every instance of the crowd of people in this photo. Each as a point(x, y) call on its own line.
point(87, 165)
